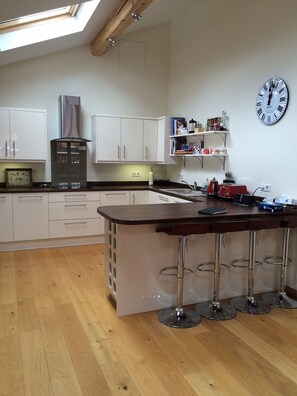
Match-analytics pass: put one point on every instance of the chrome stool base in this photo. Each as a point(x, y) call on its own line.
point(215, 311)
point(279, 300)
point(254, 306)
point(180, 319)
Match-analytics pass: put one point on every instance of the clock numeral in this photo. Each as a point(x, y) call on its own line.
point(281, 90)
point(283, 99)
point(275, 116)
point(264, 86)
point(259, 111)
point(263, 117)
point(276, 84)
point(258, 104)
point(268, 120)
point(280, 108)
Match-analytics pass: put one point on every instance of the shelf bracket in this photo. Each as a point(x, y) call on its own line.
point(222, 159)
point(223, 136)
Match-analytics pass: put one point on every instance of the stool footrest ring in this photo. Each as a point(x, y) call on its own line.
point(243, 263)
point(275, 260)
point(172, 271)
point(209, 266)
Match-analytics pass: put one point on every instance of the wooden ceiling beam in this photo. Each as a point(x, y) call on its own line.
point(118, 24)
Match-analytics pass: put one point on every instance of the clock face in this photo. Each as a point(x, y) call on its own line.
point(272, 101)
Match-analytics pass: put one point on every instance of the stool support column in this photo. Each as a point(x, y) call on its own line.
point(180, 317)
point(215, 309)
point(251, 304)
point(280, 299)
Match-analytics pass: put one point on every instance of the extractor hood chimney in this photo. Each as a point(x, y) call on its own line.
point(69, 118)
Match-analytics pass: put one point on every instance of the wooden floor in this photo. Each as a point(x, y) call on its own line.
point(59, 335)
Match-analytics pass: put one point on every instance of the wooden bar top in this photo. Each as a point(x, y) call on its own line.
point(184, 213)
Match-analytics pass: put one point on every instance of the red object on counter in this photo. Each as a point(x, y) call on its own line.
point(212, 190)
point(228, 190)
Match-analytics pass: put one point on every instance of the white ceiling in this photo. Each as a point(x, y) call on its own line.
point(159, 11)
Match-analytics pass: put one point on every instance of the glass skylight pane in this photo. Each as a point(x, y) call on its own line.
point(45, 16)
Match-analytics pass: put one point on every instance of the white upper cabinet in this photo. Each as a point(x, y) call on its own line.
point(130, 139)
point(23, 134)
point(150, 140)
point(117, 139)
point(106, 139)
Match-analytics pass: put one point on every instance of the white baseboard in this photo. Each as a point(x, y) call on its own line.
point(49, 243)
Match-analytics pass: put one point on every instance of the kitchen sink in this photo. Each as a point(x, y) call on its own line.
point(183, 191)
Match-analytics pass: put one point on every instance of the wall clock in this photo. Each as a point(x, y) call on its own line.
point(272, 101)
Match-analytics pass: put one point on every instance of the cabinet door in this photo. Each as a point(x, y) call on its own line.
point(6, 229)
point(131, 139)
point(114, 198)
point(4, 134)
point(108, 139)
point(30, 216)
point(139, 197)
point(150, 140)
point(28, 135)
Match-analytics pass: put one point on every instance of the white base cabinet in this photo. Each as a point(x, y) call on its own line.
point(74, 214)
point(21, 132)
point(6, 229)
point(30, 216)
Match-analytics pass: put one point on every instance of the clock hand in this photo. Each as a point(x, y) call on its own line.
point(270, 94)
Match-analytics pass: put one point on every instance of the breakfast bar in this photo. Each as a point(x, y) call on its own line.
point(136, 252)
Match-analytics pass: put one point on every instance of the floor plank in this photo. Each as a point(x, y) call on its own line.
point(59, 335)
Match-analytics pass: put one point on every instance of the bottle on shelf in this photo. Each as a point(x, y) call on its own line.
point(151, 177)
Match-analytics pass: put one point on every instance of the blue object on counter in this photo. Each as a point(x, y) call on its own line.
point(270, 206)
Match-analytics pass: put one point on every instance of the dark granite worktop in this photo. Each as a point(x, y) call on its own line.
point(99, 186)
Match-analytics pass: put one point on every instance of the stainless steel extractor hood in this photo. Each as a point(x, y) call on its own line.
point(69, 118)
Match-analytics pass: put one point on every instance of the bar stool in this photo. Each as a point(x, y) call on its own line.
point(215, 309)
point(251, 304)
point(178, 316)
point(279, 298)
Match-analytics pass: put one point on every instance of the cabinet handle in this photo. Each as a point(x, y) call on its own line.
point(118, 152)
point(13, 148)
point(124, 151)
point(146, 152)
point(163, 198)
point(66, 205)
point(133, 199)
point(6, 149)
point(73, 196)
point(74, 222)
point(29, 196)
point(115, 194)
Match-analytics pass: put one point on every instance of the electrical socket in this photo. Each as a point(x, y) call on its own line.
point(135, 174)
point(265, 187)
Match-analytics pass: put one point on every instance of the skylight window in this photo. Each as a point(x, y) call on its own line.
point(40, 17)
point(43, 26)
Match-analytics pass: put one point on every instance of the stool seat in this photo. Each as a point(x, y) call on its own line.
point(251, 304)
point(279, 298)
point(215, 309)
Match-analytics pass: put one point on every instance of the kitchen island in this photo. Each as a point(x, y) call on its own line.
point(136, 253)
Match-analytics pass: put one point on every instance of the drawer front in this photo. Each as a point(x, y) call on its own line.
point(78, 196)
point(75, 228)
point(115, 198)
point(73, 210)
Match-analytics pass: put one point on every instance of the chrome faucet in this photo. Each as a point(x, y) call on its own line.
point(192, 187)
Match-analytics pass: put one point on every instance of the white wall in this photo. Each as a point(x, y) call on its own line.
point(131, 79)
point(221, 53)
